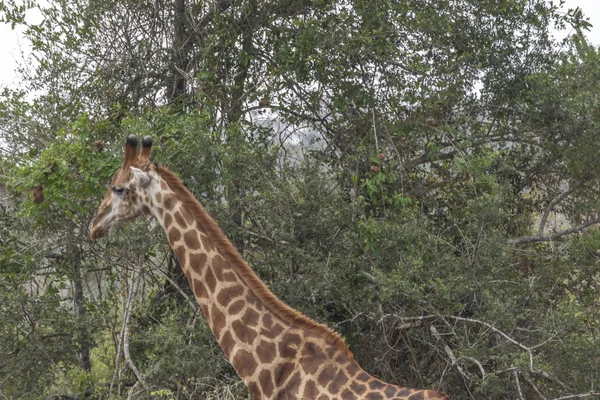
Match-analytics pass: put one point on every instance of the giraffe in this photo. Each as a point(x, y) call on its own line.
point(279, 353)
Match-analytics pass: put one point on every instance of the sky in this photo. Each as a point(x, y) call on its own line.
point(13, 45)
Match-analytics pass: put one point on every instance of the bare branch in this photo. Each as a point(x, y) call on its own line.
point(497, 331)
point(578, 396)
point(193, 305)
point(448, 351)
point(518, 383)
point(123, 343)
point(530, 382)
point(553, 203)
point(125, 329)
point(370, 277)
point(555, 236)
point(131, 393)
point(474, 361)
point(409, 325)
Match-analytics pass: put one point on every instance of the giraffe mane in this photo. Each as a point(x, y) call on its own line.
point(246, 273)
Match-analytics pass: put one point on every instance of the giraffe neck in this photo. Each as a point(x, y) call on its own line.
point(276, 351)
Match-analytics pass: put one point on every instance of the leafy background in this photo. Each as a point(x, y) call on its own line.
point(421, 176)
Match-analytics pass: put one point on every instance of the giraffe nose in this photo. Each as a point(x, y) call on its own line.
point(96, 232)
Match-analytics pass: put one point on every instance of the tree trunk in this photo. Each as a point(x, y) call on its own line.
point(234, 114)
point(83, 344)
point(181, 53)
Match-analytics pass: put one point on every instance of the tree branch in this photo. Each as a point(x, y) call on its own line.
point(125, 329)
point(553, 203)
point(218, 6)
point(426, 157)
point(497, 331)
point(555, 236)
point(124, 334)
point(530, 382)
point(518, 383)
point(448, 351)
point(474, 361)
point(578, 396)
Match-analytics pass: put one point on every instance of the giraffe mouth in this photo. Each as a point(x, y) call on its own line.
point(100, 227)
point(97, 233)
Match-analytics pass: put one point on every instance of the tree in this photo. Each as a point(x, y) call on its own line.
point(398, 170)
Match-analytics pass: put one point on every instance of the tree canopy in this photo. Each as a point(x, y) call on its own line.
point(422, 176)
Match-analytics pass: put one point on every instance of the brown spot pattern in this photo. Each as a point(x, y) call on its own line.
point(227, 344)
point(207, 243)
point(352, 369)
point(179, 219)
point(189, 218)
point(244, 363)
point(435, 395)
point(243, 332)
point(174, 235)
point(226, 295)
point(327, 375)
point(363, 376)
point(254, 390)
point(197, 262)
point(390, 391)
point(312, 358)
point(217, 320)
point(375, 385)
point(267, 321)
point(205, 311)
point(199, 289)
point(273, 332)
point(310, 390)
point(266, 351)
point(337, 382)
point(230, 277)
point(291, 389)
point(170, 201)
point(180, 254)
point(168, 221)
point(288, 346)
point(282, 373)
point(191, 240)
point(250, 317)
point(358, 388)
point(236, 307)
point(266, 382)
point(210, 280)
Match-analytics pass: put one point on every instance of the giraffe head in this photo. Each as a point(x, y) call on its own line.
point(127, 196)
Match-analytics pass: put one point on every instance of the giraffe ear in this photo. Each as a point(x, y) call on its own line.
point(139, 176)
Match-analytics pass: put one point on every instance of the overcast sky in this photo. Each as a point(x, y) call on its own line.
point(12, 42)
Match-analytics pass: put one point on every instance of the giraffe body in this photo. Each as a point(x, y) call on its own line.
point(279, 353)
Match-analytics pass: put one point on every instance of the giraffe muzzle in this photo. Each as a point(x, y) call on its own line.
point(97, 232)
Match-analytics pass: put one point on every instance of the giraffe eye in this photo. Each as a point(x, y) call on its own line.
point(118, 190)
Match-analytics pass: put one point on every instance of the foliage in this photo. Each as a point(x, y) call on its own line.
point(421, 176)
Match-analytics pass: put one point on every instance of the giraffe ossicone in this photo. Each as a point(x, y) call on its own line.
point(278, 352)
